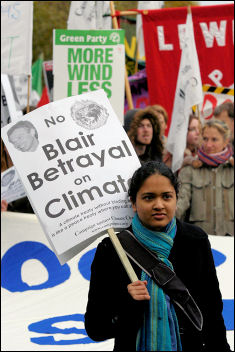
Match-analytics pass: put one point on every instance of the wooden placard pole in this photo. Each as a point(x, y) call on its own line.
point(137, 55)
point(28, 95)
point(114, 239)
point(129, 13)
point(127, 85)
point(122, 255)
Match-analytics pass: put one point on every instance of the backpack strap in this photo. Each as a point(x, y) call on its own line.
point(163, 276)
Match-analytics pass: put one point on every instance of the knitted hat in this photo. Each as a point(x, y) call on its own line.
point(128, 118)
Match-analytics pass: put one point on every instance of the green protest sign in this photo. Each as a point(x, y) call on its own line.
point(87, 60)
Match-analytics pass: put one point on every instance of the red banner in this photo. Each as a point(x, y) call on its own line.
point(214, 37)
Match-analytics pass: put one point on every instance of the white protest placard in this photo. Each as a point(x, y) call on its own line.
point(75, 161)
point(11, 185)
point(87, 60)
point(21, 89)
point(82, 15)
point(11, 99)
point(5, 115)
point(89, 15)
point(16, 37)
point(144, 5)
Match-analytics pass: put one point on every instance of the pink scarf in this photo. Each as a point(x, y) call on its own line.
point(215, 159)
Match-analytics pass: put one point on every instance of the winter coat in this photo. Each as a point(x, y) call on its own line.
point(208, 195)
point(112, 313)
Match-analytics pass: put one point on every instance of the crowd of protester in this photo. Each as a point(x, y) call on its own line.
point(206, 175)
point(189, 204)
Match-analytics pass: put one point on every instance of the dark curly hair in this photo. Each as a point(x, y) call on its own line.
point(148, 169)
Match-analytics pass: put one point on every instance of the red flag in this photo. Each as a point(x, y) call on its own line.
point(163, 30)
point(44, 98)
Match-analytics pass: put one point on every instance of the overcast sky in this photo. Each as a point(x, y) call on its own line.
point(209, 3)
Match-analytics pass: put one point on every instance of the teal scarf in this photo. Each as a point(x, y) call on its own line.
point(160, 330)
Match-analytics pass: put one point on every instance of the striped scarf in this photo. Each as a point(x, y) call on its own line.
point(215, 159)
point(160, 330)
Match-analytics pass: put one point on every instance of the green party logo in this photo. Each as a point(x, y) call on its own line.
point(115, 37)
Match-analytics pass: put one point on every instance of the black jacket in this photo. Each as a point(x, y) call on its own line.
point(112, 313)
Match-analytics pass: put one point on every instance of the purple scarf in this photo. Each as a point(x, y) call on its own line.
point(215, 159)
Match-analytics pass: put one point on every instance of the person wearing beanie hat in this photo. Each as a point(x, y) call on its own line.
point(128, 118)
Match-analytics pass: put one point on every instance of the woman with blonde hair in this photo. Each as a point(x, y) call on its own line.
point(207, 186)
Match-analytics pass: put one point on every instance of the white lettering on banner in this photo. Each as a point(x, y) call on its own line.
point(161, 40)
point(214, 32)
point(66, 38)
point(94, 39)
point(181, 31)
point(216, 76)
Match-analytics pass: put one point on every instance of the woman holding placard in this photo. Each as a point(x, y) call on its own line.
point(176, 304)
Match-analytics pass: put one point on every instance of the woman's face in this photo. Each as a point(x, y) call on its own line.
point(162, 123)
point(193, 136)
point(213, 141)
point(155, 202)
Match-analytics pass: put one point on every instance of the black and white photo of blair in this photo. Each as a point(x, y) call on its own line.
point(24, 136)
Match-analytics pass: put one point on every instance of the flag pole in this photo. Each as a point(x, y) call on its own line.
point(127, 85)
point(28, 95)
point(197, 106)
point(113, 237)
point(137, 55)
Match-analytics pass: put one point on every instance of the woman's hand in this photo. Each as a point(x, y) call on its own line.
point(138, 290)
